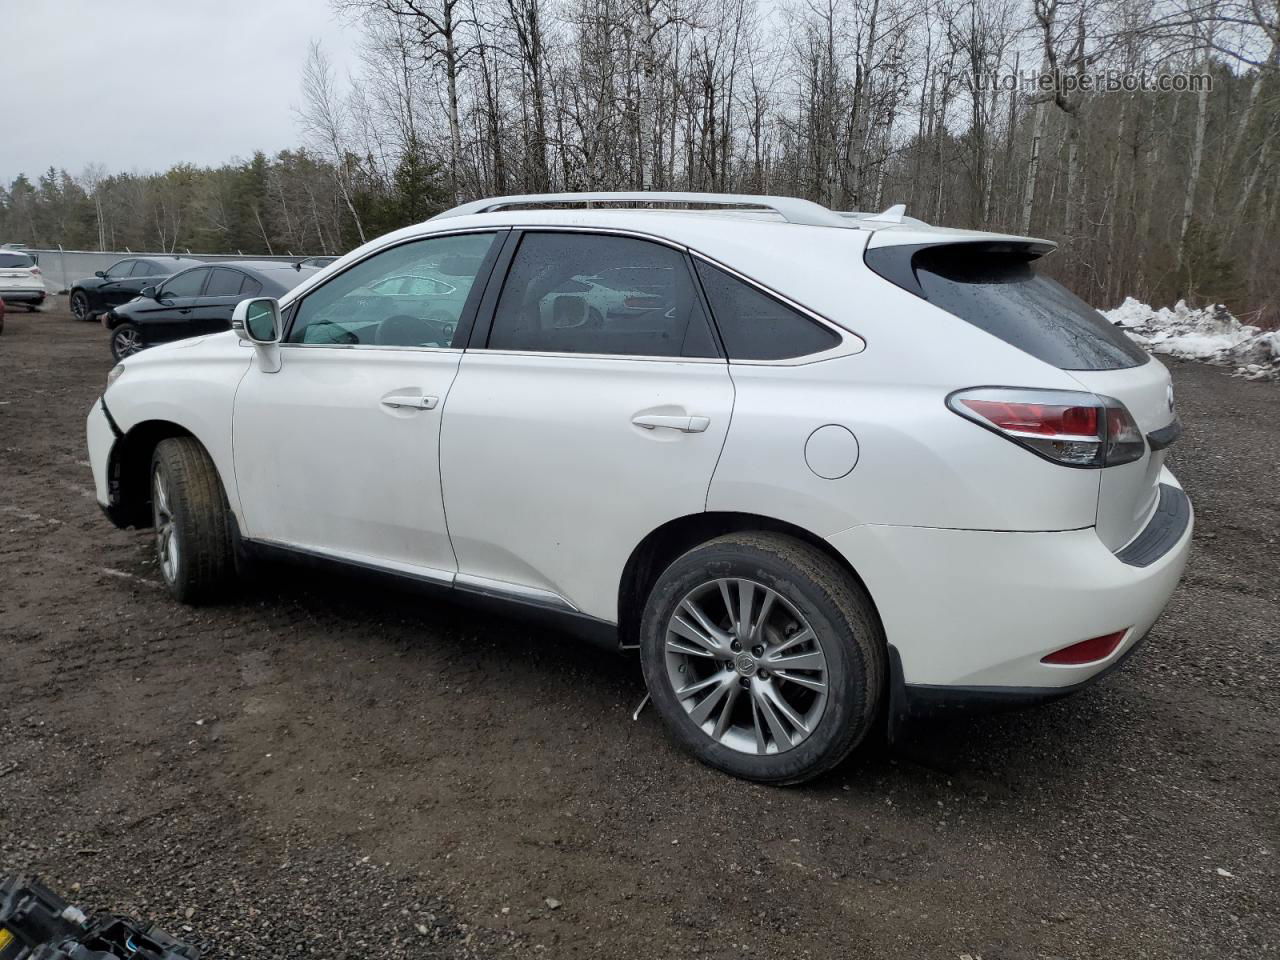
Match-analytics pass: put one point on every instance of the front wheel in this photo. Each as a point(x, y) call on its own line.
point(192, 521)
point(80, 305)
point(764, 657)
point(126, 340)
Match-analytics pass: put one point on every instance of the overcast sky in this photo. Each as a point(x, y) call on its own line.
point(144, 84)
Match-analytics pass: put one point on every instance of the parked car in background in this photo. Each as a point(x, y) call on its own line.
point(196, 301)
point(846, 466)
point(121, 282)
point(20, 279)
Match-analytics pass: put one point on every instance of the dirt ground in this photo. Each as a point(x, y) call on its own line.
point(331, 769)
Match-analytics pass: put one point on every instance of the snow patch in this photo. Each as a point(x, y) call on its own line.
point(1211, 334)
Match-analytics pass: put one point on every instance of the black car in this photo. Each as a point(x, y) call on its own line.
point(195, 302)
point(121, 282)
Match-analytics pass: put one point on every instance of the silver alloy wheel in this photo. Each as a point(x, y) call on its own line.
point(127, 342)
point(166, 531)
point(746, 666)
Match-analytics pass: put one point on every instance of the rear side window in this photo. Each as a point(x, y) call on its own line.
point(250, 287)
point(16, 260)
point(224, 283)
point(590, 293)
point(142, 268)
point(1001, 294)
point(755, 326)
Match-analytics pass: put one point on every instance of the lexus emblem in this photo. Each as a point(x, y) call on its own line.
point(746, 665)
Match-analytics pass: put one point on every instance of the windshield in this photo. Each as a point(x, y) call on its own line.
point(1001, 294)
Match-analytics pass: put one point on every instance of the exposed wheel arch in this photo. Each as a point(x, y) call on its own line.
point(661, 546)
point(129, 471)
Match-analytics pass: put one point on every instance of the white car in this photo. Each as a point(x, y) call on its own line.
point(20, 279)
point(855, 467)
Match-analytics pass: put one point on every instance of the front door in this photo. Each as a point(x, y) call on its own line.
point(585, 420)
point(336, 452)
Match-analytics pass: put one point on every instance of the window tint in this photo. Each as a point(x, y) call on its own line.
point(250, 287)
point(754, 325)
point(1002, 295)
point(186, 284)
point(224, 283)
point(120, 270)
point(16, 260)
point(585, 293)
point(143, 268)
point(360, 307)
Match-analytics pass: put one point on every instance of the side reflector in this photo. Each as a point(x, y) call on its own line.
point(1087, 651)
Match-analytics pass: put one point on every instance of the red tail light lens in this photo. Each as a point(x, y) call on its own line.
point(1072, 428)
point(35, 271)
point(1042, 419)
point(1087, 651)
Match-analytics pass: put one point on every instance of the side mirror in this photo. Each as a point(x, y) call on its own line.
point(100, 273)
point(258, 320)
point(149, 291)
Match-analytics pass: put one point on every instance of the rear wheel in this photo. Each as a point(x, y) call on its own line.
point(764, 657)
point(126, 340)
point(80, 305)
point(192, 521)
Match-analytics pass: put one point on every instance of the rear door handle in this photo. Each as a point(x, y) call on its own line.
point(417, 403)
point(683, 424)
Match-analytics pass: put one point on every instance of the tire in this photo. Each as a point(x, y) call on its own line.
point(192, 522)
point(126, 340)
point(80, 305)
point(838, 704)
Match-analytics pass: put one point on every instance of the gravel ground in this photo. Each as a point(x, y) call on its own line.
point(328, 768)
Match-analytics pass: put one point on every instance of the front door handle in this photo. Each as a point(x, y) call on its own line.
point(417, 403)
point(683, 424)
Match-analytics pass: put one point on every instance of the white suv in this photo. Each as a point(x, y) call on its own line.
point(20, 279)
point(820, 468)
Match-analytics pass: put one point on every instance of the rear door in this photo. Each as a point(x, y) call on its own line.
point(569, 435)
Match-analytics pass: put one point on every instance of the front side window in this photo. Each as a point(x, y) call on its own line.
point(755, 326)
point(187, 284)
point(587, 293)
point(118, 271)
point(372, 304)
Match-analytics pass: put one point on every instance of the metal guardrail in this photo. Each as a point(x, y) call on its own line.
point(61, 268)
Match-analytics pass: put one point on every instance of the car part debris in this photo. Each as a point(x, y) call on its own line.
point(37, 924)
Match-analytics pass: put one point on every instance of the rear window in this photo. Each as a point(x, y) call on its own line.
point(16, 260)
point(1001, 294)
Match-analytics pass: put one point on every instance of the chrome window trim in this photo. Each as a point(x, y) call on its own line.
point(549, 355)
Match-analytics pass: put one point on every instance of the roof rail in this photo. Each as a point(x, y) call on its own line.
point(894, 215)
point(791, 209)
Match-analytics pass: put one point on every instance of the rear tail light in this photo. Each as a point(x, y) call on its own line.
point(35, 271)
point(1072, 428)
point(1087, 651)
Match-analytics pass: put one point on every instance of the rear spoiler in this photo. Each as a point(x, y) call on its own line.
point(897, 263)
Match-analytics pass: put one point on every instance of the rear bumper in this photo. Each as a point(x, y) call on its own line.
point(969, 614)
point(29, 295)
